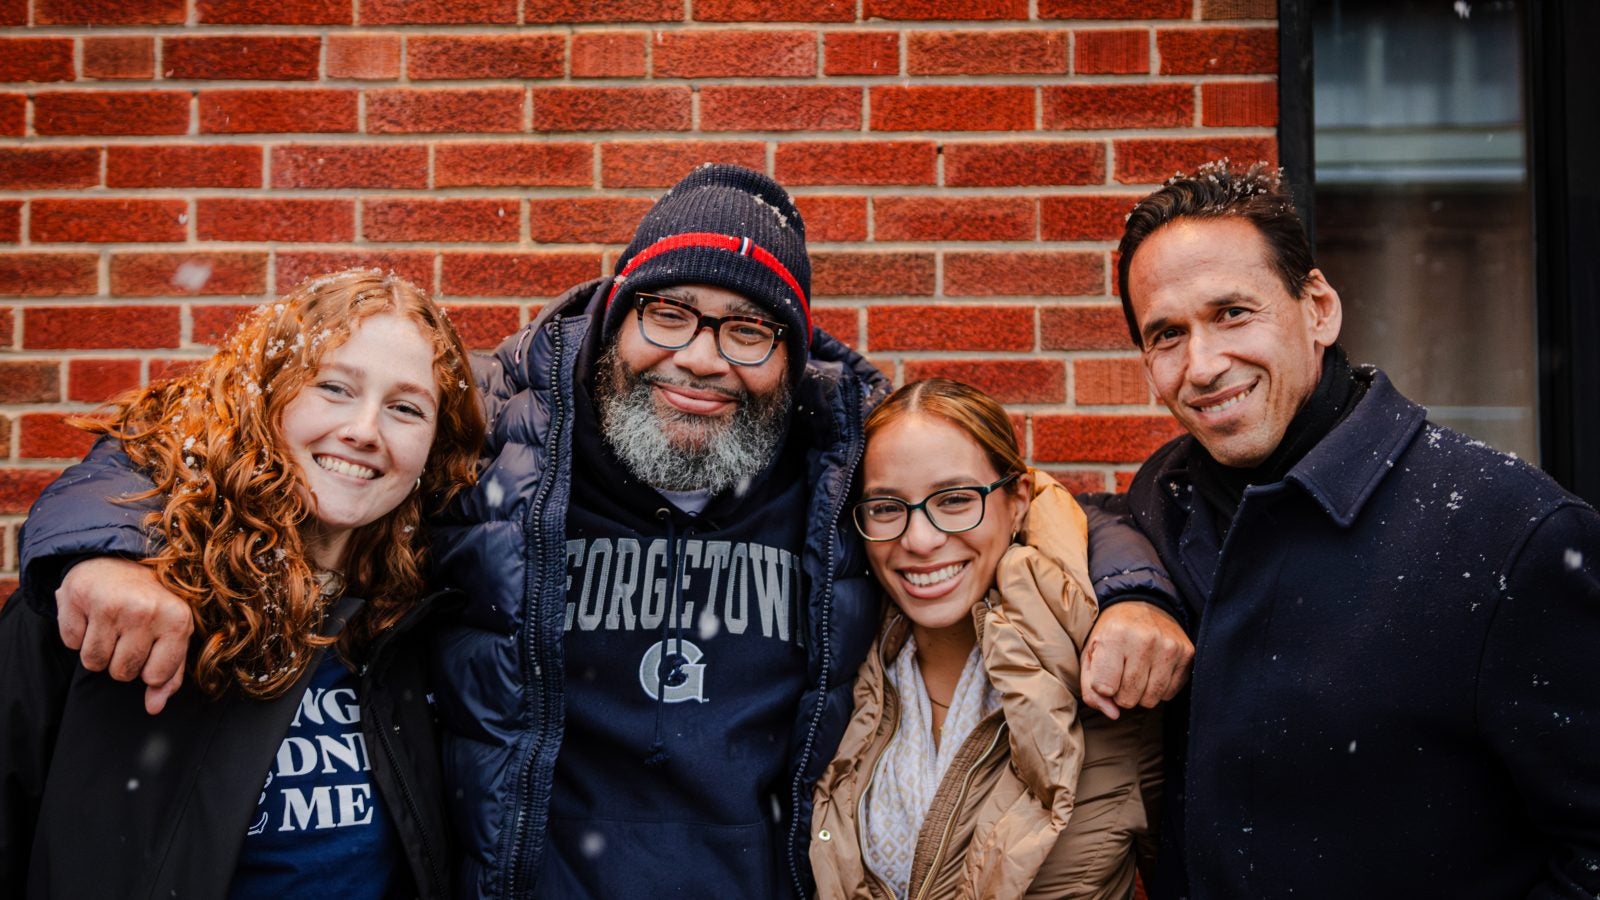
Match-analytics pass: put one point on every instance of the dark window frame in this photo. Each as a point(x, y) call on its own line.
point(1563, 133)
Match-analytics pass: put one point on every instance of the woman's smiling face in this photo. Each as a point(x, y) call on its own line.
point(934, 577)
point(361, 429)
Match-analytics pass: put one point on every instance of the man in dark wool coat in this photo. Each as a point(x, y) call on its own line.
point(1396, 627)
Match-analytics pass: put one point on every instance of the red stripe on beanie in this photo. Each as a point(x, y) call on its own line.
point(716, 242)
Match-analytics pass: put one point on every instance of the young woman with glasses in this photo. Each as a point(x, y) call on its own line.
point(971, 767)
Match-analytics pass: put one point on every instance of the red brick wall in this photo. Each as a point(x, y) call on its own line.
point(963, 165)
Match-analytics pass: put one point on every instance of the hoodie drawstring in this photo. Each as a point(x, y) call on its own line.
point(669, 671)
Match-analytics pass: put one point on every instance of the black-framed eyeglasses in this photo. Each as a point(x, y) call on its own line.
point(951, 510)
point(672, 324)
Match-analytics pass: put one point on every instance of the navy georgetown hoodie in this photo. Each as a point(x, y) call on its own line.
point(684, 665)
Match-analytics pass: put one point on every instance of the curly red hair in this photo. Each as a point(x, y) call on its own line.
point(230, 530)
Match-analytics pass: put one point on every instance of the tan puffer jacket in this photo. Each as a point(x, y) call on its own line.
point(1044, 798)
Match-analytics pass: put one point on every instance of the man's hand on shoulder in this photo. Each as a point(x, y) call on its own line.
point(1137, 655)
point(120, 619)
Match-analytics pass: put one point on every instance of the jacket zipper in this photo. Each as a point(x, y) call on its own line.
point(853, 423)
point(520, 867)
point(439, 886)
point(950, 823)
point(406, 622)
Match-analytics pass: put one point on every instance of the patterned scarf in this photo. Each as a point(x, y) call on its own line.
point(912, 766)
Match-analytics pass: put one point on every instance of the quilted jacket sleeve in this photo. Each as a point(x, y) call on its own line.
point(86, 512)
point(1122, 562)
point(501, 375)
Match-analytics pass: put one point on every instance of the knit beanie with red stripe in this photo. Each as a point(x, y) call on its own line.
point(730, 227)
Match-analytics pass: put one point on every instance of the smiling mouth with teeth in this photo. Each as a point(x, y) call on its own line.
point(341, 467)
point(1228, 403)
point(927, 579)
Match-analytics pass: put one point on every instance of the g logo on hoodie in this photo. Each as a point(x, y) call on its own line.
point(673, 665)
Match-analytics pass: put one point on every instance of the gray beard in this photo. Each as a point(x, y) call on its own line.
point(712, 455)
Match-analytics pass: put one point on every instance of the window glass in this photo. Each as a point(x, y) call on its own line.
point(1423, 219)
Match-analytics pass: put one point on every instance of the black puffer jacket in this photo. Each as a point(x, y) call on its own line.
point(98, 799)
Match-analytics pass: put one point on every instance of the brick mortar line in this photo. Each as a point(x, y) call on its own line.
point(1114, 411)
point(1065, 408)
point(80, 301)
point(930, 192)
point(946, 302)
point(1049, 409)
point(147, 353)
point(202, 248)
point(285, 138)
point(50, 406)
point(404, 61)
point(943, 79)
point(933, 245)
point(973, 356)
point(1032, 25)
point(862, 304)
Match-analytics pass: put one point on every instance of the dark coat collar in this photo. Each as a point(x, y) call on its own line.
point(1343, 471)
point(1345, 468)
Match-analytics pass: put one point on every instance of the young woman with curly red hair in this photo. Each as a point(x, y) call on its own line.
point(290, 473)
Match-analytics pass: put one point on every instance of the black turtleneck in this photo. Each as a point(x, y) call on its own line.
point(1337, 392)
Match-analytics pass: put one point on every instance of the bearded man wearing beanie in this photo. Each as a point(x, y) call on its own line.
point(696, 611)
point(659, 583)
point(663, 613)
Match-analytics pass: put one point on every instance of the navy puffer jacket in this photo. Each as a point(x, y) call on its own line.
point(501, 694)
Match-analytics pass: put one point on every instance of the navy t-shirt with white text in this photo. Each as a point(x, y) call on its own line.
point(320, 828)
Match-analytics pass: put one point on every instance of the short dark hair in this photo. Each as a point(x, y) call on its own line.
point(1259, 195)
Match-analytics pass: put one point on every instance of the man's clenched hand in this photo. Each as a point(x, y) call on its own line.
point(120, 619)
point(1137, 655)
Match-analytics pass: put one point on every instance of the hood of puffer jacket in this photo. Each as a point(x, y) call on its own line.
point(1031, 628)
